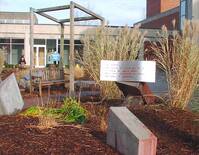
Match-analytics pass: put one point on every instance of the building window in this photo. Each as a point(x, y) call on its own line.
point(6, 49)
point(5, 45)
point(51, 45)
point(78, 49)
point(18, 41)
point(66, 54)
point(17, 51)
point(66, 42)
point(13, 49)
point(66, 51)
point(39, 41)
point(195, 6)
point(4, 40)
point(183, 7)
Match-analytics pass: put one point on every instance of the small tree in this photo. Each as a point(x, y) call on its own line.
point(178, 55)
point(105, 44)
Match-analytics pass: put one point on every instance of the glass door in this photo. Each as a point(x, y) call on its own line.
point(40, 55)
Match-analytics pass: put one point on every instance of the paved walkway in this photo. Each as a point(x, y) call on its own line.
point(30, 100)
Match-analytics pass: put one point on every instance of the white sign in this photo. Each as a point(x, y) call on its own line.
point(138, 71)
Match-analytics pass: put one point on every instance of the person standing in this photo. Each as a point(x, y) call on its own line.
point(22, 61)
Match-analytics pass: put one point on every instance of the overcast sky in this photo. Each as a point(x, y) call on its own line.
point(116, 12)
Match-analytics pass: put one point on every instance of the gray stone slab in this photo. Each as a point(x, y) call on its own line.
point(128, 134)
point(11, 100)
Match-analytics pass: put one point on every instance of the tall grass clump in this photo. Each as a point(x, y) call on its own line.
point(106, 44)
point(178, 54)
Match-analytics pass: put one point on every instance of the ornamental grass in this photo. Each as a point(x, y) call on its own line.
point(107, 44)
point(178, 54)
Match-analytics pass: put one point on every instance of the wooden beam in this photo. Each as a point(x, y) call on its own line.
point(88, 11)
point(49, 17)
point(56, 8)
point(31, 37)
point(62, 44)
point(31, 45)
point(102, 23)
point(79, 19)
point(72, 58)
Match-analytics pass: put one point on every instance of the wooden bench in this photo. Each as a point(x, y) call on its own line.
point(47, 77)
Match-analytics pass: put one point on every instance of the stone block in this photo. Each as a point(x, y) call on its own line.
point(128, 134)
point(11, 100)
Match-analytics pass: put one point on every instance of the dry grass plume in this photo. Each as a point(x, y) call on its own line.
point(104, 44)
point(178, 54)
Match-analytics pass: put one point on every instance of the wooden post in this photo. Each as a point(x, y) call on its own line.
point(41, 12)
point(72, 59)
point(102, 23)
point(62, 45)
point(31, 45)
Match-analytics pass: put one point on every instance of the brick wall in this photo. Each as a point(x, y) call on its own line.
point(169, 4)
point(155, 7)
point(167, 21)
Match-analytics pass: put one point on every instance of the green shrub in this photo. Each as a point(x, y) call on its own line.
point(73, 111)
point(52, 112)
point(33, 111)
point(46, 118)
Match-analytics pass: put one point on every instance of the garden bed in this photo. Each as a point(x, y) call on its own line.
point(20, 135)
point(173, 127)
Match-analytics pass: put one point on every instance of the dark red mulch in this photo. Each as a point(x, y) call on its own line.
point(18, 135)
point(174, 128)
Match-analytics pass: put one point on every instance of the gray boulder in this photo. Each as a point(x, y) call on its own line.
point(11, 100)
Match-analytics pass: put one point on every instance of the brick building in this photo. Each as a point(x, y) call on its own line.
point(170, 13)
point(161, 12)
point(160, 6)
point(165, 12)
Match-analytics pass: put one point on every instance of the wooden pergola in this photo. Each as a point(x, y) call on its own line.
point(72, 20)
